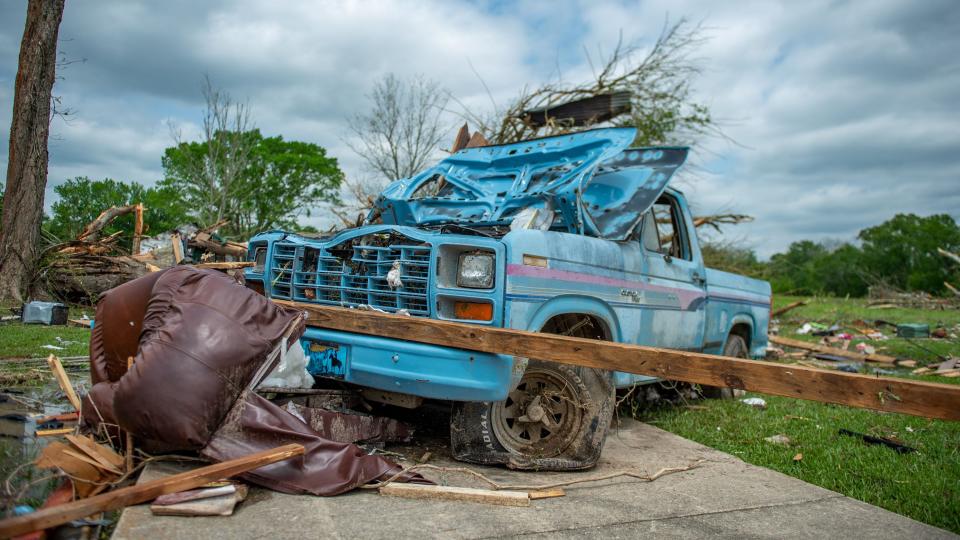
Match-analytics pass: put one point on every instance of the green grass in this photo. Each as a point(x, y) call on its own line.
point(924, 485)
point(19, 340)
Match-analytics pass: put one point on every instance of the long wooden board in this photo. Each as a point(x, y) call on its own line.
point(56, 515)
point(932, 400)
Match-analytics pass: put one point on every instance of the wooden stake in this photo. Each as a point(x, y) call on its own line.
point(450, 493)
point(137, 229)
point(128, 456)
point(177, 247)
point(57, 515)
point(919, 398)
point(63, 380)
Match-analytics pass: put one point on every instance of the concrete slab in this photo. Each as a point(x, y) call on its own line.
point(723, 497)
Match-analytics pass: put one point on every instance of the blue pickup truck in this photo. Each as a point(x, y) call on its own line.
point(576, 234)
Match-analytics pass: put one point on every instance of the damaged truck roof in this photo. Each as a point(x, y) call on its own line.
point(592, 180)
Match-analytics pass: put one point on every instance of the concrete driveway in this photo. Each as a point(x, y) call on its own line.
point(723, 497)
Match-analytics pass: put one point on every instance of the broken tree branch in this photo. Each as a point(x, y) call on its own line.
point(92, 230)
point(788, 307)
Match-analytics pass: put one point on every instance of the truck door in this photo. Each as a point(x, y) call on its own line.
point(676, 288)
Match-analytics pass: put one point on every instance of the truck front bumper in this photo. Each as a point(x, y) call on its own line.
point(428, 371)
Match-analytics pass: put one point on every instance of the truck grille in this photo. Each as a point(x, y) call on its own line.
point(313, 274)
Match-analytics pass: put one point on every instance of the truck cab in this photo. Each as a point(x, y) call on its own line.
point(577, 235)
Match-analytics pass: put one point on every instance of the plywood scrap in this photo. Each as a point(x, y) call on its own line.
point(450, 493)
point(206, 505)
point(51, 517)
point(102, 454)
point(213, 489)
point(63, 380)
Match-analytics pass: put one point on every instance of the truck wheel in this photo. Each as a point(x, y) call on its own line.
point(556, 419)
point(736, 347)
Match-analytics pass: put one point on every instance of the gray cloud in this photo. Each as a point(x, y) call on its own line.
point(843, 113)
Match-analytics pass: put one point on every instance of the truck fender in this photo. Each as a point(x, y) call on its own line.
point(571, 303)
point(562, 305)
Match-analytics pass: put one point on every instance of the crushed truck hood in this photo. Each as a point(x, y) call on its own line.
point(594, 183)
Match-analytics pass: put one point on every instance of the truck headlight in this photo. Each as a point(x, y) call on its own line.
point(475, 271)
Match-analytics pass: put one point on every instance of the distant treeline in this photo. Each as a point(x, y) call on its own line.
point(900, 253)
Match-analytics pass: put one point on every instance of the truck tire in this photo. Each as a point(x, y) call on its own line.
point(736, 347)
point(556, 419)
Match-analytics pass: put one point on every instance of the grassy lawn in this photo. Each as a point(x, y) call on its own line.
point(924, 485)
point(19, 340)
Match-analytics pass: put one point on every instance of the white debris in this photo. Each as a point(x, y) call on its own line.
point(393, 276)
point(778, 439)
point(805, 329)
point(403, 312)
point(755, 402)
point(291, 372)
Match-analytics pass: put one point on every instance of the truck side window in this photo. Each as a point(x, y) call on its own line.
point(663, 230)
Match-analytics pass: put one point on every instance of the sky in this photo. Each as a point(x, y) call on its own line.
point(837, 114)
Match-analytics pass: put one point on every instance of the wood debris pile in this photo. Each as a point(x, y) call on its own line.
point(80, 270)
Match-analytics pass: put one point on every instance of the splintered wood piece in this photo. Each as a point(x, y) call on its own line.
point(547, 493)
point(137, 229)
point(225, 265)
point(177, 244)
point(57, 515)
point(63, 381)
point(53, 432)
point(449, 493)
point(194, 494)
point(97, 451)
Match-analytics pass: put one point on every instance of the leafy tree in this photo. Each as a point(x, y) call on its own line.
point(280, 180)
point(81, 200)
point(794, 271)
point(903, 251)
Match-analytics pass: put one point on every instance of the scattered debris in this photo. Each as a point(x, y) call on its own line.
point(798, 457)
point(48, 313)
point(779, 439)
point(889, 442)
point(139, 493)
point(755, 402)
point(914, 330)
point(795, 343)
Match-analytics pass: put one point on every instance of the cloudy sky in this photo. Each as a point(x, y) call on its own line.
point(842, 113)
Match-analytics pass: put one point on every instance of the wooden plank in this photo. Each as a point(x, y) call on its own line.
point(53, 432)
point(63, 380)
point(796, 343)
point(450, 493)
point(919, 398)
point(57, 515)
point(128, 437)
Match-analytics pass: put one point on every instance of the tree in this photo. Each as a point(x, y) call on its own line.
point(402, 131)
point(27, 156)
point(81, 200)
point(280, 180)
point(657, 86)
point(903, 251)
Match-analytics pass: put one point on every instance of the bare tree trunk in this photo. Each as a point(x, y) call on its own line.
point(27, 157)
